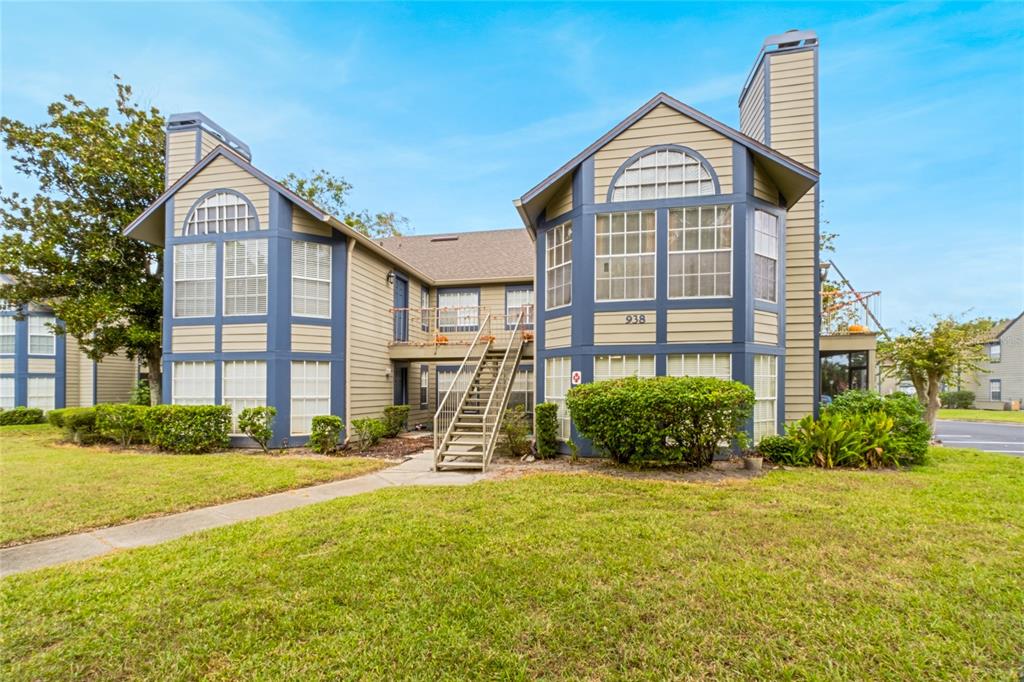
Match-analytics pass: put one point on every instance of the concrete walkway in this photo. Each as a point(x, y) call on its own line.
point(414, 471)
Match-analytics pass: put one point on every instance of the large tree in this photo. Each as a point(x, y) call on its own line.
point(330, 192)
point(95, 171)
point(931, 355)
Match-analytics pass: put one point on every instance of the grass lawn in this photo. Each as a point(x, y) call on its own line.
point(796, 575)
point(47, 488)
point(1016, 417)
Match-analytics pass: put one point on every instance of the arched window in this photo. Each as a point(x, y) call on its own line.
point(221, 211)
point(661, 173)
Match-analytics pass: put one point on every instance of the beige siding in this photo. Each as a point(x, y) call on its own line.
point(792, 104)
point(42, 365)
point(6, 365)
point(558, 332)
point(115, 378)
point(222, 174)
point(192, 338)
point(307, 224)
point(610, 328)
point(703, 325)
point(311, 338)
point(207, 143)
point(562, 201)
point(181, 154)
point(370, 326)
point(766, 327)
point(752, 109)
point(73, 360)
point(236, 338)
point(764, 188)
point(85, 382)
point(1009, 370)
point(663, 125)
point(418, 415)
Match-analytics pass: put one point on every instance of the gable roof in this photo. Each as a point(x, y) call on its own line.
point(1001, 327)
point(776, 162)
point(491, 255)
point(149, 226)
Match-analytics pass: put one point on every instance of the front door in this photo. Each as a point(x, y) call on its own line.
point(401, 309)
point(401, 384)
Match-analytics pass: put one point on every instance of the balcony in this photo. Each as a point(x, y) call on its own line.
point(449, 332)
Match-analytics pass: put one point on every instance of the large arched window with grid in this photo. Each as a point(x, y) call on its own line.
point(662, 173)
point(219, 212)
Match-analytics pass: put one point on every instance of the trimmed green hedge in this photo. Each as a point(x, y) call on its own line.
point(124, 424)
point(545, 429)
point(21, 415)
point(191, 429)
point(957, 400)
point(80, 425)
point(325, 436)
point(661, 419)
point(394, 420)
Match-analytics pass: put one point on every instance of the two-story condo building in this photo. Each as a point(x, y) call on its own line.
point(674, 244)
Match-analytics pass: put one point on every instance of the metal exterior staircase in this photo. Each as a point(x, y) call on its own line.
point(468, 422)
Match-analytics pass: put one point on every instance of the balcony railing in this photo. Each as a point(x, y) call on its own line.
point(457, 326)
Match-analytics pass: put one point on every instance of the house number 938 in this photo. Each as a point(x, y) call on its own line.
point(636, 319)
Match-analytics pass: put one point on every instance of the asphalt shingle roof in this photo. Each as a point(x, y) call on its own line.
point(490, 254)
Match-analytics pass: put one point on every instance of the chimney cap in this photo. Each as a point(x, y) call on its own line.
point(794, 37)
point(197, 119)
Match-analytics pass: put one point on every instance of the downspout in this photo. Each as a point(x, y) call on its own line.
point(348, 334)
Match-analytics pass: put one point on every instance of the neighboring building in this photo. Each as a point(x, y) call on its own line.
point(674, 244)
point(999, 383)
point(44, 369)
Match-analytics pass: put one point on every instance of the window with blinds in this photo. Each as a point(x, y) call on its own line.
point(6, 335)
point(311, 394)
point(558, 266)
point(245, 277)
point(766, 396)
point(766, 256)
point(6, 393)
point(700, 252)
point(41, 337)
point(518, 300)
point(557, 380)
point(244, 385)
point(715, 365)
point(192, 383)
point(458, 311)
point(624, 256)
point(620, 366)
point(195, 280)
point(311, 279)
point(42, 393)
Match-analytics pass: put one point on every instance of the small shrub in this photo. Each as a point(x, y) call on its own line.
point(121, 423)
point(545, 429)
point(140, 394)
point(515, 431)
point(394, 420)
point(661, 419)
point(368, 432)
point(957, 400)
point(80, 425)
point(910, 433)
point(828, 441)
point(781, 450)
point(56, 417)
point(258, 424)
point(191, 429)
point(21, 415)
point(326, 434)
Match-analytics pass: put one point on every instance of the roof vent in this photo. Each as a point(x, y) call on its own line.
point(449, 238)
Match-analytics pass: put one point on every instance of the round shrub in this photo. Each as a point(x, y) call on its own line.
point(80, 425)
point(781, 450)
point(394, 420)
point(368, 432)
point(910, 433)
point(258, 424)
point(189, 429)
point(21, 415)
point(661, 419)
point(122, 423)
point(957, 400)
point(545, 429)
point(326, 434)
point(56, 417)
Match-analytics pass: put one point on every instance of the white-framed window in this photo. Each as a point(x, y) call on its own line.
point(244, 385)
point(766, 396)
point(663, 173)
point(311, 394)
point(311, 279)
point(42, 340)
point(557, 380)
point(245, 277)
point(424, 386)
point(715, 365)
point(195, 279)
point(192, 383)
point(446, 382)
point(424, 309)
point(558, 266)
point(995, 351)
point(7, 393)
point(995, 389)
point(766, 256)
point(42, 393)
point(521, 392)
point(221, 212)
point(620, 366)
point(624, 256)
point(7, 326)
point(519, 299)
point(700, 252)
point(458, 310)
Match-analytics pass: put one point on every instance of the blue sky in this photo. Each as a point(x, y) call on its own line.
point(445, 112)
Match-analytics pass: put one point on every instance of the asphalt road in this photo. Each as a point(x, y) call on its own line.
point(991, 437)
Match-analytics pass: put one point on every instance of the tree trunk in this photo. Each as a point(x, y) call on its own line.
point(154, 363)
point(932, 406)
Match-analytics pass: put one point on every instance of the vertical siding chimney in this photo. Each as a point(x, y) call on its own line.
point(779, 107)
point(192, 136)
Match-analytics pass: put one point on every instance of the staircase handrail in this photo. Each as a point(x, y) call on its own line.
point(516, 339)
point(455, 380)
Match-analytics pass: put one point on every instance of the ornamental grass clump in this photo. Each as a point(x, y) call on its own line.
point(676, 420)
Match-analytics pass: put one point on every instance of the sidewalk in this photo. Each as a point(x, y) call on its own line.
point(414, 471)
